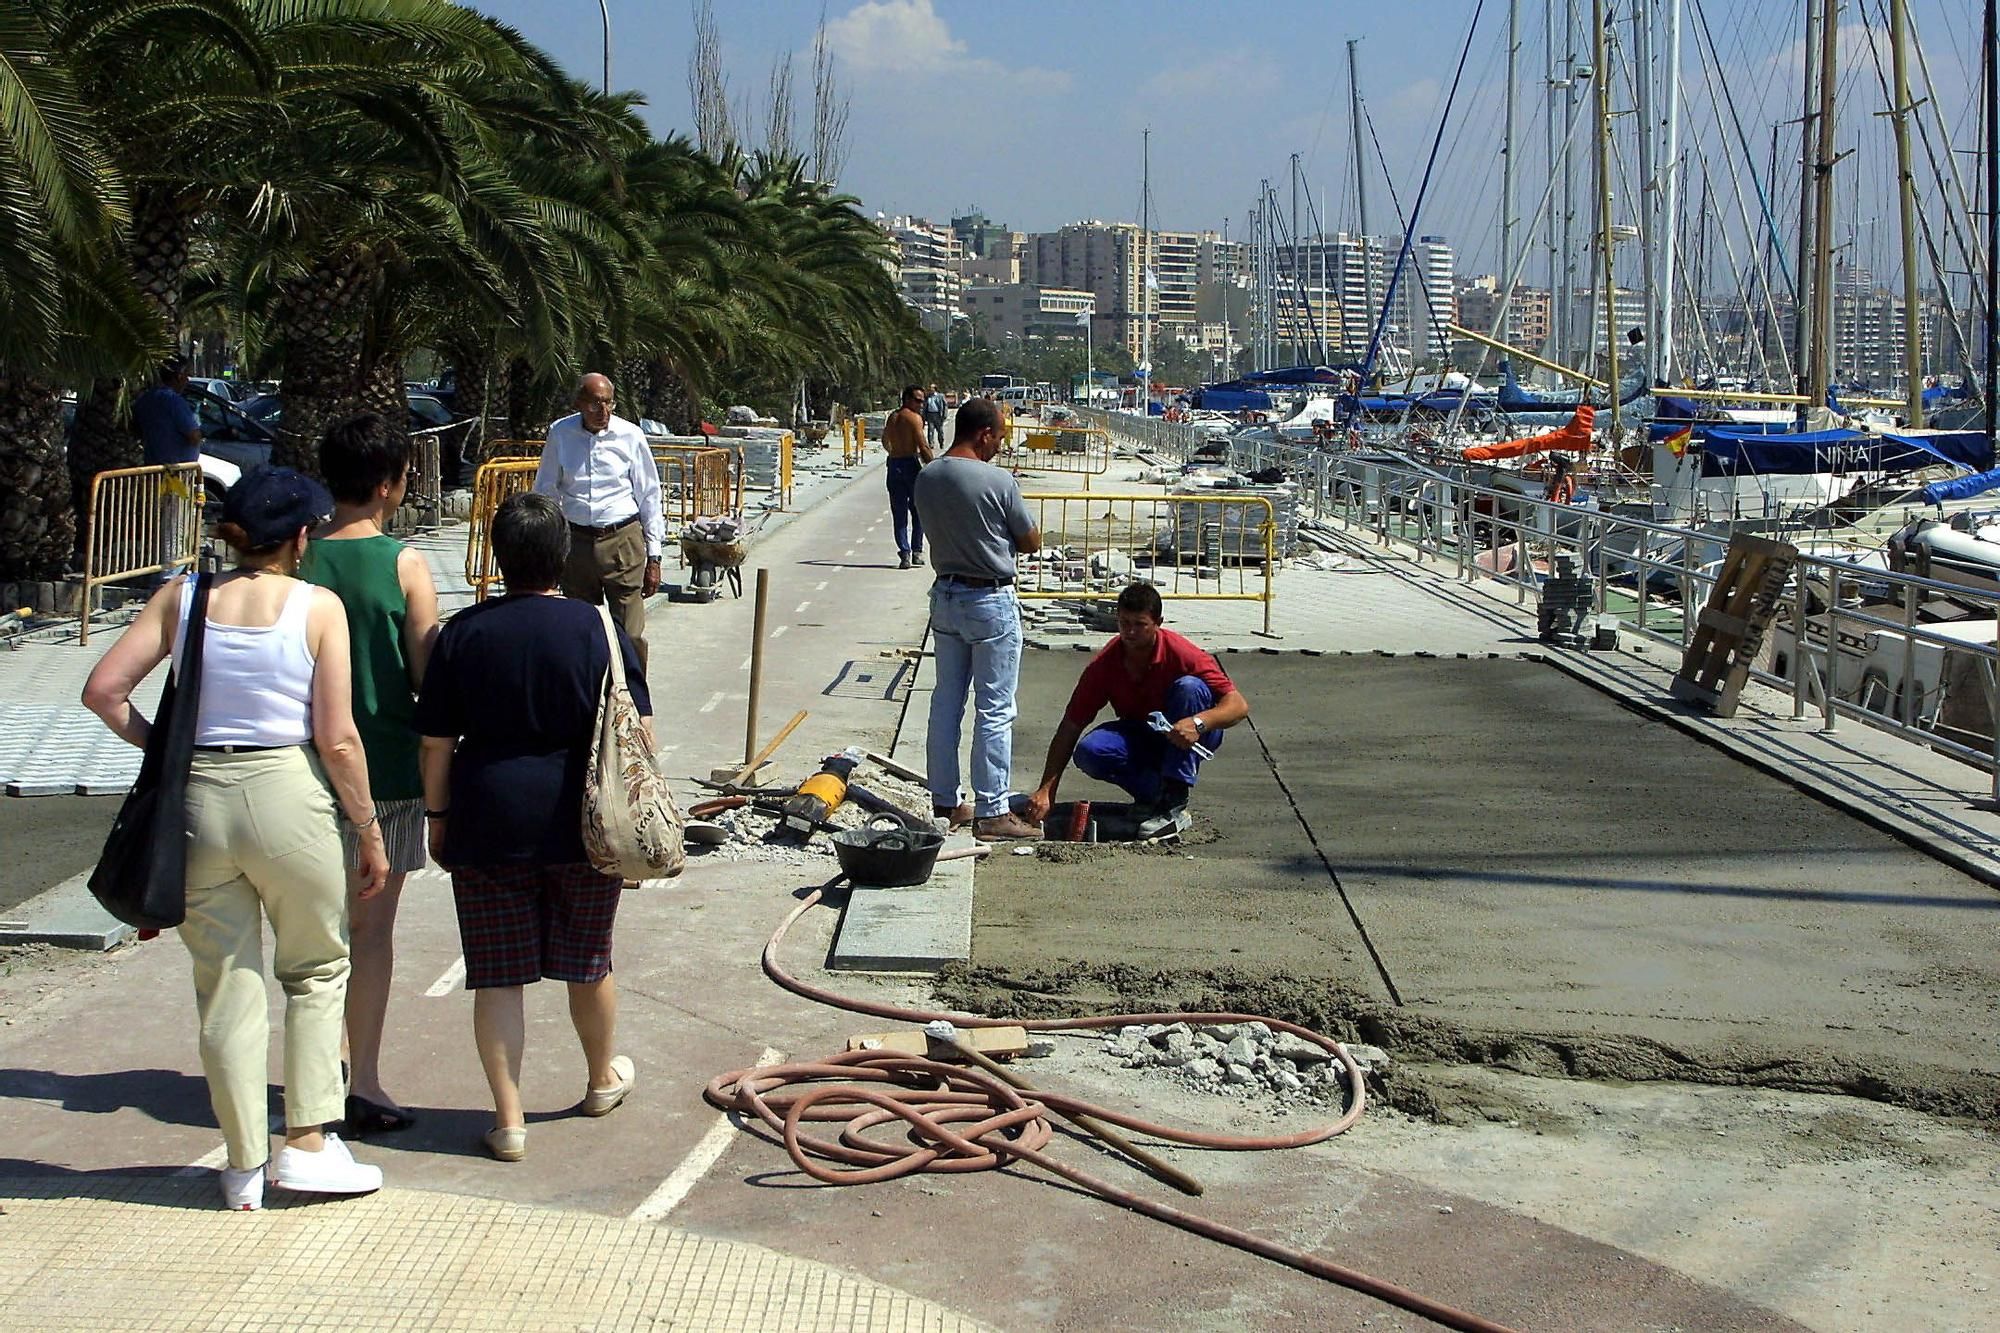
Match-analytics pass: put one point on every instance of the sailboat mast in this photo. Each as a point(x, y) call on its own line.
point(1670, 196)
point(1549, 158)
point(1823, 206)
point(1602, 74)
point(1649, 192)
point(1899, 114)
point(1300, 319)
point(1146, 271)
point(1360, 184)
point(1990, 38)
point(1507, 147)
point(1566, 303)
point(1802, 296)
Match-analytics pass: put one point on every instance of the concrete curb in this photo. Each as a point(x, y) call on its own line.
point(66, 916)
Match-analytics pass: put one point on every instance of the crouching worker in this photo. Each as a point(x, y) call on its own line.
point(1145, 670)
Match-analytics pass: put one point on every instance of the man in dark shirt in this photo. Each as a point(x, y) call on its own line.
point(170, 432)
point(1145, 670)
point(904, 441)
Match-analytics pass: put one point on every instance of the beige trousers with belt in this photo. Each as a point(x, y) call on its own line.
point(611, 569)
point(264, 842)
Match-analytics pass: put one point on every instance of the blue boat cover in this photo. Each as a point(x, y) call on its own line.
point(1961, 488)
point(1235, 396)
point(1733, 451)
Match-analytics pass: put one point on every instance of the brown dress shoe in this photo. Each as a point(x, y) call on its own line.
point(1004, 828)
point(957, 816)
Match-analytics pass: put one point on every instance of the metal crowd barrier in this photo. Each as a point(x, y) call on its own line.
point(1217, 547)
point(426, 492)
point(853, 441)
point(491, 485)
point(141, 520)
point(502, 450)
point(1084, 450)
point(1850, 642)
point(698, 481)
point(1176, 439)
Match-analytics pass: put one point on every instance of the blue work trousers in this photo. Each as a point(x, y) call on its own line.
point(1127, 753)
point(976, 634)
point(903, 505)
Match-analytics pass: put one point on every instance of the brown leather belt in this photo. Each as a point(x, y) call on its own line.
point(604, 531)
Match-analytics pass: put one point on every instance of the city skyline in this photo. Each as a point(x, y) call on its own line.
point(1032, 111)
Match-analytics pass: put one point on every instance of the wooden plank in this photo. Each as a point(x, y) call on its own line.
point(1000, 1043)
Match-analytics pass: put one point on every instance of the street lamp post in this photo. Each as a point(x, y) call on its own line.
point(604, 8)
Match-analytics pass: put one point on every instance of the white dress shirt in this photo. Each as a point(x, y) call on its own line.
point(604, 478)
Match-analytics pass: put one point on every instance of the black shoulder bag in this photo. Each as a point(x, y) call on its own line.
point(141, 876)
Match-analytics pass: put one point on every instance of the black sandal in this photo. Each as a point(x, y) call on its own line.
point(365, 1117)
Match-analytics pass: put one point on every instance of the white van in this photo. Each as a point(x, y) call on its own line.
point(1018, 395)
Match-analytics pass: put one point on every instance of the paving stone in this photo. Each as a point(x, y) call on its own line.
point(917, 929)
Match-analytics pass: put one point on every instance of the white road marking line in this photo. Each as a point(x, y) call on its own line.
point(447, 983)
point(850, 551)
point(780, 630)
point(696, 1164)
point(745, 666)
point(713, 700)
point(820, 586)
point(802, 608)
point(213, 1160)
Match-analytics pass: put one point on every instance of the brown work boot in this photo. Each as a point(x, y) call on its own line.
point(955, 816)
point(1004, 828)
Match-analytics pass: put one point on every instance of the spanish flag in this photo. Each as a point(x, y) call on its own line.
point(1677, 443)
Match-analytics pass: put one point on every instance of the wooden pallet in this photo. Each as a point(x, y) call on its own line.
point(1731, 627)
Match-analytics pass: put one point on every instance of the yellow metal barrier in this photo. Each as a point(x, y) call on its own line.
point(1084, 450)
point(853, 441)
point(698, 481)
point(141, 520)
point(501, 450)
point(1218, 547)
point(491, 485)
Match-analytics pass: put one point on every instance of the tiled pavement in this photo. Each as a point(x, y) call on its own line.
point(150, 1254)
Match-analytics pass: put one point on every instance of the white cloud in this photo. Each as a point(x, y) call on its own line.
point(908, 37)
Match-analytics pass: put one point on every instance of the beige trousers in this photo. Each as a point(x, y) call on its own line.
point(612, 569)
point(264, 842)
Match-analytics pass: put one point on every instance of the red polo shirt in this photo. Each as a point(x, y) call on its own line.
point(1105, 680)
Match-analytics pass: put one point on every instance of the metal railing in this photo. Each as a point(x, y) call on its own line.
point(1850, 641)
point(491, 485)
point(1216, 547)
point(1175, 439)
point(141, 520)
point(1081, 450)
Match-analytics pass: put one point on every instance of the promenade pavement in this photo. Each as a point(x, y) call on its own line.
point(666, 1212)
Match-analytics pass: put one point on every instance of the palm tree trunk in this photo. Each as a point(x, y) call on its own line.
point(481, 393)
point(37, 529)
point(319, 316)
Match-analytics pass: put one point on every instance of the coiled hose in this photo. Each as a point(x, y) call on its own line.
point(963, 1119)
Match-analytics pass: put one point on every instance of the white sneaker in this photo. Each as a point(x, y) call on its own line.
point(243, 1191)
point(331, 1170)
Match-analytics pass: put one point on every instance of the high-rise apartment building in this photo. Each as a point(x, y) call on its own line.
point(929, 258)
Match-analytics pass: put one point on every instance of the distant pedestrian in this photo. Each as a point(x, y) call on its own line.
point(903, 440)
point(978, 522)
point(507, 714)
point(277, 758)
point(934, 410)
point(600, 470)
point(392, 618)
point(169, 433)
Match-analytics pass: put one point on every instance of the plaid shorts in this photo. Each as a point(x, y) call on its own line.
point(521, 923)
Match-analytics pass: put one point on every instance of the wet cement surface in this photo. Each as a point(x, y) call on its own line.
point(1551, 882)
point(47, 839)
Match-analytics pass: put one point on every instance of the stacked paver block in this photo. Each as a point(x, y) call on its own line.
point(1566, 602)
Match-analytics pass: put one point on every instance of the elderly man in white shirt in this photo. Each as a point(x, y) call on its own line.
point(600, 470)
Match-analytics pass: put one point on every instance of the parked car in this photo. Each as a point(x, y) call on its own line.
point(426, 413)
point(229, 391)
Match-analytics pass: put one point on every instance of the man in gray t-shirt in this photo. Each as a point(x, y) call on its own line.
point(977, 521)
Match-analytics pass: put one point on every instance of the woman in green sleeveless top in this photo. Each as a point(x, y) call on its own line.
point(392, 618)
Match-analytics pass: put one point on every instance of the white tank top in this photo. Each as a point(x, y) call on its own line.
point(256, 680)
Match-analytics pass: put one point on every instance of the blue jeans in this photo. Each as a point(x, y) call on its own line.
point(976, 633)
point(903, 505)
point(1127, 753)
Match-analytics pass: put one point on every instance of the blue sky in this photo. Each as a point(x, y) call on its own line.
point(1032, 109)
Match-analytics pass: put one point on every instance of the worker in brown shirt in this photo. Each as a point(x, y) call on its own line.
point(903, 440)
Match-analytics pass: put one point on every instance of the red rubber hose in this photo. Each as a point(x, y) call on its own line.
point(952, 1118)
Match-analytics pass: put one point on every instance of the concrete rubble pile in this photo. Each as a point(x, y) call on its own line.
point(1240, 1059)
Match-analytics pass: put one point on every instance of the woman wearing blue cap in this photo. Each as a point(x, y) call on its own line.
point(277, 758)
